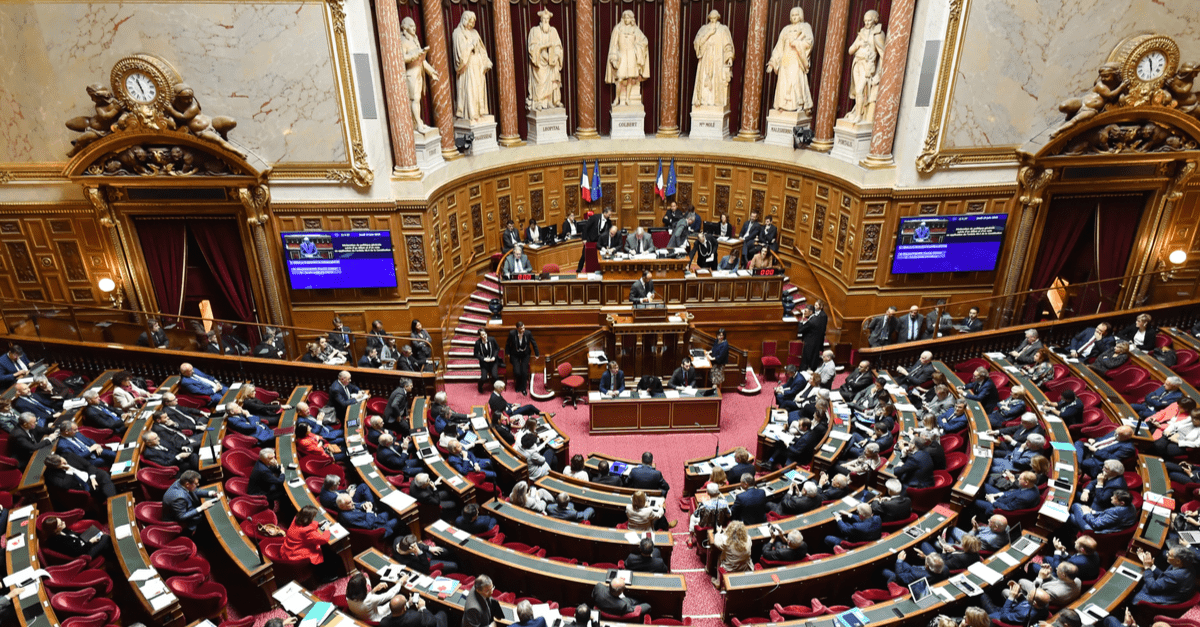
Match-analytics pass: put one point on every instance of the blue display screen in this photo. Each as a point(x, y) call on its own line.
point(322, 260)
point(949, 243)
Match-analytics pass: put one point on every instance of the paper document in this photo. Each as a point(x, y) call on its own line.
point(142, 574)
point(398, 500)
point(122, 532)
point(988, 575)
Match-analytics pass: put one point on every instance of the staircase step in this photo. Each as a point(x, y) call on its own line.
point(490, 286)
point(492, 276)
point(463, 375)
point(462, 364)
point(466, 330)
point(482, 296)
point(473, 308)
point(473, 319)
point(462, 340)
point(461, 353)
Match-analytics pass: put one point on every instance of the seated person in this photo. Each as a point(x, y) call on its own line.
point(193, 381)
point(918, 374)
point(734, 543)
point(639, 242)
point(836, 488)
point(535, 498)
point(563, 509)
point(861, 526)
point(1166, 395)
point(421, 557)
point(790, 549)
point(1098, 492)
point(750, 505)
point(99, 415)
point(1172, 585)
point(641, 516)
point(646, 559)
point(604, 476)
point(1179, 438)
point(1061, 583)
point(981, 388)
point(154, 451)
point(429, 493)
point(1010, 408)
point(370, 359)
point(58, 538)
point(917, 469)
point(465, 462)
point(1009, 438)
point(870, 462)
point(443, 414)
point(798, 500)
point(1111, 359)
point(181, 503)
point(612, 382)
point(1021, 458)
point(1119, 517)
point(267, 411)
point(793, 382)
point(304, 415)
point(993, 536)
point(375, 429)
point(1041, 370)
point(684, 376)
point(938, 400)
point(70, 440)
point(1019, 608)
point(1069, 408)
point(895, 506)
point(403, 613)
point(1085, 559)
point(355, 516)
point(905, 574)
point(881, 436)
point(500, 407)
point(611, 599)
point(645, 476)
point(712, 512)
point(26, 401)
point(361, 494)
point(397, 457)
point(743, 463)
point(954, 419)
point(1090, 342)
point(1092, 453)
point(313, 445)
point(473, 522)
point(243, 422)
point(537, 456)
point(960, 557)
point(1025, 351)
point(267, 478)
point(184, 417)
point(1024, 496)
point(77, 474)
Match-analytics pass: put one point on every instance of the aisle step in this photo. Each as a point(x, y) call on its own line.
point(473, 318)
point(468, 330)
point(462, 364)
point(482, 297)
point(478, 309)
point(461, 353)
point(462, 375)
point(490, 286)
point(462, 340)
point(492, 276)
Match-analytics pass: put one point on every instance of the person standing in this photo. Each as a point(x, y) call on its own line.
point(812, 333)
point(718, 357)
point(642, 290)
point(597, 225)
point(520, 344)
point(749, 234)
point(487, 352)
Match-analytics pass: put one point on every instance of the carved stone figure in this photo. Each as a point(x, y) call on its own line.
point(790, 61)
point(415, 69)
point(184, 111)
point(96, 126)
point(148, 160)
point(1107, 90)
point(864, 69)
point(714, 50)
point(470, 64)
point(628, 61)
point(1180, 88)
point(1136, 137)
point(545, 60)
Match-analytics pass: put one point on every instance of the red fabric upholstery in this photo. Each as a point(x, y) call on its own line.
point(155, 481)
point(164, 536)
point(99, 619)
point(1178, 608)
point(264, 395)
point(317, 399)
point(170, 564)
point(83, 603)
point(75, 575)
point(238, 486)
point(248, 621)
point(636, 613)
point(955, 462)
point(246, 506)
point(198, 597)
point(149, 513)
point(924, 499)
point(377, 406)
point(667, 621)
point(239, 461)
point(239, 441)
point(899, 524)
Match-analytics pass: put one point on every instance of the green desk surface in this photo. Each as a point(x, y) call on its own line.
point(229, 534)
point(952, 378)
point(373, 561)
point(369, 473)
point(129, 549)
point(1110, 592)
point(1154, 526)
point(975, 473)
point(590, 533)
point(285, 450)
point(1099, 385)
point(35, 610)
point(438, 465)
point(32, 477)
point(287, 419)
point(1181, 339)
point(499, 451)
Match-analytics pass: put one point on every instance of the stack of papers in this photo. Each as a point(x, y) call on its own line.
point(989, 576)
point(398, 500)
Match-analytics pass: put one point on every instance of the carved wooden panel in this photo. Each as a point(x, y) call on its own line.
point(822, 191)
point(60, 226)
point(33, 294)
point(647, 169)
point(536, 205)
point(72, 261)
point(437, 243)
point(793, 183)
point(929, 208)
point(535, 177)
point(573, 199)
point(814, 252)
point(843, 226)
point(789, 213)
point(477, 220)
point(837, 263)
point(21, 262)
point(451, 201)
point(502, 184)
point(312, 224)
point(870, 241)
point(10, 227)
point(418, 286)
point(683, 193)
point(505, 204)
point(865, 274)
point(684, 170)
point(759, 176)
point(646, 197)
point(454, 230)
point(976, 207)
point(609, 190)
point(83, 295)
point(758, 199)
point(818, 231)
point(608, 170)
point(411, 221)
point(415, 245)
point(474, 191)
point(875, 208)
point(722, 204)
point(724, 173)
point(360, 224)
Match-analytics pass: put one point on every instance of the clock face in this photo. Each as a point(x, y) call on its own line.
point(1151, 66)
point(140, 88)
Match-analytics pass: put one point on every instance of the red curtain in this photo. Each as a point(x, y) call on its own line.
point(1070, 216)
point(1116, 227)
point(163, 246)
point(221, 245)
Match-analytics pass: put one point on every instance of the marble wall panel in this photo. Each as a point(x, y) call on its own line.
point(267, 64)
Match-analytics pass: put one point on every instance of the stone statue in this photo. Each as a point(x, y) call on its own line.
point(415, 68)
point(1106, 91)
point(184, 111)
point(1180, 87)
point(790, 61)
point(714, 49)
point(864, 69)
point(96, 126)
point(470, 64)
point(628, 61)
point(546, 60)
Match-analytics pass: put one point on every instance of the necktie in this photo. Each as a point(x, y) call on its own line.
point(1086, 348)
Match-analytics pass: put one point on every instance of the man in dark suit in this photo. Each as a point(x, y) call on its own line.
point(749, 233)
point(610, 242)
point(671, 215)
point(781, 549)
point(798, 500)
point(192, 381)
point(401, 615)
point(858, 380)
point(97, 414)
point(1160, 399)
point(1092, 453)
point(185, 417)
point(520, 344)
point(604, 477)
point(684, 376)
point(510, 238)
point(882, 328)
point(245, 423)
point(339, 337)
point(912, 327)
point(642, 290)
point(1024, 496)
point(479, 608)
point(743, 463)
point(355, 516)
point(428, 493)
point(982, 389)
point(794, 382)
point(266, 479)
point(918, 374)
point(895, 506)
point(612, 382)
point(155, 337)
point(812, 333)
point(639, 242)
point(861, 526)
point(647, 559)
point(155, 451)
point(398, 404)
point(27, 438)
point(473, 522)
point(597, 225)
point(27, 401)
point(69, 472)
point(487, 353)
point(563, 509)
point(370, 359)
point(972, 323)
point(646, 476)
point(13, 365)
point(1090, 342)
point(182, 501)
point(74, 442)
point(1120, 515)
point(497, 406)
point(679, 232)
point(769, 235)
point(610, 598)
point(750, 506)
point(917, 469)
point(1014, 436)
point(343, 394)
point(1019, 608)
point(395, 458)
point(1028, 347)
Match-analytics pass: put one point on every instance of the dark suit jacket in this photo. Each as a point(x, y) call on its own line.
point(8, 370)
point(490, 345)
point(750, 230)
point(607, 383)
point(638, 292)
point(61, 480)
point(342, 396)
point(266, 481)
point(769, 236)
point(340, 338)
point(159, 339)
point(97, 417)
point(971, 325)
point(813, 329)
point(510, 238)
point(510, 348)
point(23, 444)
point(646, 478)
point(1149, 342)
point(917, 470)
point(647, 564)
point(478, 611)
point(611, 240)
point(795, 504)
point(735, 473)
point(892, 508)
point(882, 329)
point(497, 404)
point(856, 382)
point(683, 378)
point(593, 230)
point(397, 405)
point(779, 551)
point(918, 374)
point(902, 328)
point(750, 506)
point(603, 599)
point(983, 391)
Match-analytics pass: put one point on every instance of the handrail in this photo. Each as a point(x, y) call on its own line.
point(551, 360)
point(835, 317)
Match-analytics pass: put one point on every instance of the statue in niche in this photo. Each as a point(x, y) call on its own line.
point(470, 64)
point(184, 111)
point(790, 62)
point(415, 68)
point(864, 69)
point(96, 126)
point(714, 49)
point(546, 61)
point(628, 61)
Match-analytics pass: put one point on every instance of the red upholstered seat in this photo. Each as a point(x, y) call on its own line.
point(1125, 378)
point(239, 441)
point(1176, 609)
point(924, 499)
point(313, 467)
point(193, 401)
point(239, 461)
point(1178, 622)
point(636, 613)
point(149, 513)
point(769, 359)
point(165, 536)
point(867, 598)
point(247, 621)
point(265, 395)
point(246, 506)
point(170, 564)
point(570, 383)
point(951, 442)
point(317, 399)
point(198, 597)
point(796, 611)
point(155, 481)
point(899, 524)
point(687, 620)
point(75, 575)
point(285, 569)
point(84, 603)
point(99, 619)
point(238, 486)
point(73, 518)
point(1185, 361)
point(955, 462)
point(376, 406)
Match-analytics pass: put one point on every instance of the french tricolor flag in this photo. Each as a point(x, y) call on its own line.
point(585, 185)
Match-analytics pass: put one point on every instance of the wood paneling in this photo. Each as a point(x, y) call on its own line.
point(53, 253)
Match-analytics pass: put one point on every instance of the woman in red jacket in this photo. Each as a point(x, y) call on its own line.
point(304, 541)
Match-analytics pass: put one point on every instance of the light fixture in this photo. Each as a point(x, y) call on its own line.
point(1175, 259)
point(113, 291)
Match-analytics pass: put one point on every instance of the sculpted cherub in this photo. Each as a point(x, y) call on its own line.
point(1107, 89)
point(96, 126)
point(185, 112)
point(1180, 88)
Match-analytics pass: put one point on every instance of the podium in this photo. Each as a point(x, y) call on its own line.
point(649, 340)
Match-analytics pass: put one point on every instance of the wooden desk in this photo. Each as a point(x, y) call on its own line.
point(587, 543)
point(632, 269)
point(368, 472)
point(1153, 526)
point(567, 290)
point(437, 465)
point(298, 494)
point(133, 556)
point(253, 570)
point(34, 610)
point(564, 254)
point(675, 415)
point(505, 459)
point(372, 561)
point(1113, 588)
point(211, 469)
point(567, 584)
point(746, 593)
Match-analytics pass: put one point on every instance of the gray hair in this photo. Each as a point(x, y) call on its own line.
point(525, 611)
point(91, 393)
point(710, 488)
point(1035, 440)
point(1176, 381)
point(1114, 467)
point(810, 489)
point(894, 486)
point(440, 398)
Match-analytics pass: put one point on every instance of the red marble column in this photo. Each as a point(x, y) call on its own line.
point(831, 75)
point(506, 74)
point(585, 59)
point(395, 89)
point(752, 81)
point(668, 114)
point(443, 100)
point(891, 81)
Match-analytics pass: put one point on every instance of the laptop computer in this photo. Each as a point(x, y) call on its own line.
point(922, 593)
point(1192, 537)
